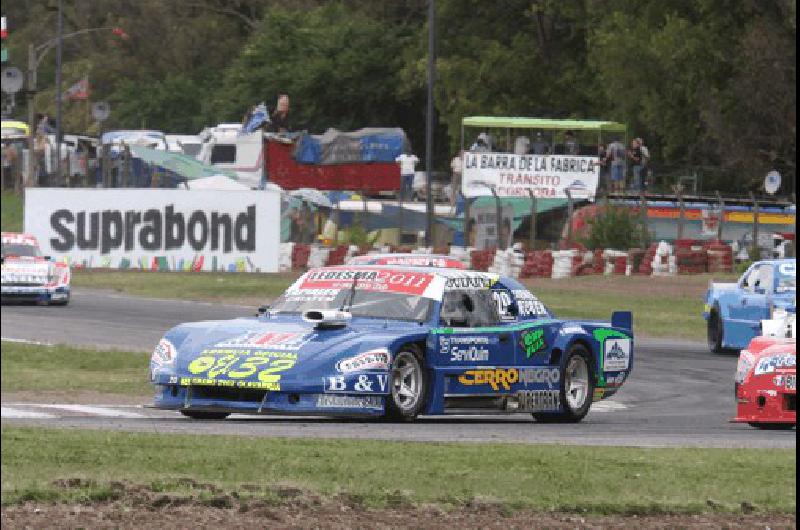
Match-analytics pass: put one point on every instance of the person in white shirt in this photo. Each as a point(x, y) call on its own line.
point(407, 164)
point(455, 182)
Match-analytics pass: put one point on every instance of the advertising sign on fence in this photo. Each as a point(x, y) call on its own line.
point(157, 229)
point(513, 175)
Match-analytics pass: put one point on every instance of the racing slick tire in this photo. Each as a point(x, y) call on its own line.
point(715, 331)
point(205, 415)
point(772, 426)
point(408, 385)
point(577, 388)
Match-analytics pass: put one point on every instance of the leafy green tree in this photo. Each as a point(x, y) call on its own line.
point(615, 227)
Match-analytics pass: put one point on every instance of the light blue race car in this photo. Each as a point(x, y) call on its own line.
point(734, 311)
point(397, 342)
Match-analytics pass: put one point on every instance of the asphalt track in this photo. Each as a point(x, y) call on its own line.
point(678, 395)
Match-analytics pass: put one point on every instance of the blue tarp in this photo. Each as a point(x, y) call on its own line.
point(363, 145)
point(258, 117)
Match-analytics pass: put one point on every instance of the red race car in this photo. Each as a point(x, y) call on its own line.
point(30, 277)
point(766, 379)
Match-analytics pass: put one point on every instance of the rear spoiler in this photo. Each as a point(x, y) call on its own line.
point(622, 319)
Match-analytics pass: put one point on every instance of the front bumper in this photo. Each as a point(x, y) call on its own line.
point(259, 401)
point(34, 293)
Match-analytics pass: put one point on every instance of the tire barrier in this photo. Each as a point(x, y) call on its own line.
point(659, 259)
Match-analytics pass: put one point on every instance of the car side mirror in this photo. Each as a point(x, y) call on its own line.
point(262, 310)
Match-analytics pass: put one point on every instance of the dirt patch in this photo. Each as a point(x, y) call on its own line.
point(175, 513)
point(204, 506)
point(81, 397)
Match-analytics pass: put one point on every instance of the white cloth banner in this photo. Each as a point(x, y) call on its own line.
point(157, 229)
point(513, 175)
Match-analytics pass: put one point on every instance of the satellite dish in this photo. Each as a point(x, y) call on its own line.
point(101, 110)
point(12, 80)
point(772, 182)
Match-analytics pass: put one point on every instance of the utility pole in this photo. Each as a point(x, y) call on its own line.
point(429, 122)
point(59, 46)
point(31, 113)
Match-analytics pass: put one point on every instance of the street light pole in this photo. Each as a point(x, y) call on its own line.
point(59, 47)
point(429, 123)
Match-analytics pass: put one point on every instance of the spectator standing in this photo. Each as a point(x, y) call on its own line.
point(602, 168)
point(615, 157)
point(408, 163)
point(635, 156)
point(540, 147)
point(456, 167)
point(645, 163)
point(40, 149)
point(482, 143)
point(571, 146)
point(279, 120)
point(522, 144)
point(10, 164)
point(44, 124)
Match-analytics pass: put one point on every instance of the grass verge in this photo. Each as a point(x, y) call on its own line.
point(28, 367)
point(209, 286)
point(10, 212)
point(662, 306)
point(38, 461)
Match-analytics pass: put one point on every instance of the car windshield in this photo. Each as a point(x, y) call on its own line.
point(386, 294)
point(19, 249)
point(786, 284)
point(787, 278)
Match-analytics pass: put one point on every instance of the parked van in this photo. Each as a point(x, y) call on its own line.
point(188, 144)
point(223, 146)
point(152, 139)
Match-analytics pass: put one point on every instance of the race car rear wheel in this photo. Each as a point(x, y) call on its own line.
point(715, 331)
point(577, 388)
point(204, 415)
point(407, 386)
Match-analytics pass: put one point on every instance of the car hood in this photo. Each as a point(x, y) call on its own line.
point(35, 270)
point(315, 351)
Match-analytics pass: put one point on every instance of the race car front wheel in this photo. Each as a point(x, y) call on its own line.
point(408, 386)
point(577, 388)
point(715, 332)
point(204, 415)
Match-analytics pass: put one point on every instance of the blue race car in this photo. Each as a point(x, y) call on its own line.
point(734, 311)
point(396, 342)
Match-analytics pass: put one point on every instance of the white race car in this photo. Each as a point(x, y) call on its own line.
point(27, 276)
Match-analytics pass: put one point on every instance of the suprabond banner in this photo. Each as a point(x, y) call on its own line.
point(513, 175)
point(157, 229)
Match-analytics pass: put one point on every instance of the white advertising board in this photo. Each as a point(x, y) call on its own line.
point(513, 175)
point(157, 229)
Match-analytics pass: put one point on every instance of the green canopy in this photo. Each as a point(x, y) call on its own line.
point(542, 123)
point(179, 163)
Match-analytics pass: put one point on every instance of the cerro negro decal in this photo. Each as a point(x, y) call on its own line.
point(153, 229)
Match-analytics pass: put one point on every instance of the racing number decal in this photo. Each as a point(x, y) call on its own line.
point(241, 366)
point(278, 365)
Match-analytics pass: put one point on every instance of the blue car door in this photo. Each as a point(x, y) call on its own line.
point(753, 303)
point(474, 341)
